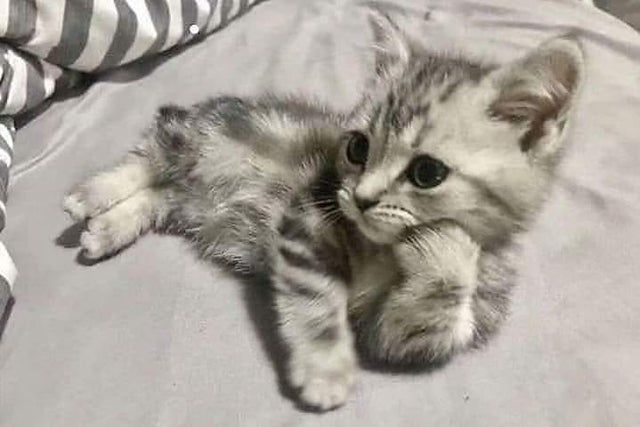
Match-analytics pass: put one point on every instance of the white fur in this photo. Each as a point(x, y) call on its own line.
point(120, 225)
point(463, 330)
point(325, 373)
point(106, 189)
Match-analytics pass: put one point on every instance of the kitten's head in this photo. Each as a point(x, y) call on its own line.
point(445, 139)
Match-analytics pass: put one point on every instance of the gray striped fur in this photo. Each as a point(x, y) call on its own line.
point(266, 185)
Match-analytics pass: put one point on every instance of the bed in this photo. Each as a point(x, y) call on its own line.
point(156, 337)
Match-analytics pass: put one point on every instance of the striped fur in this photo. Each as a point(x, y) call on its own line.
point(268, 185)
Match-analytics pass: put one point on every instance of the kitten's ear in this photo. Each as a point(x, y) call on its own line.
point(539, 89)
point(391, 47)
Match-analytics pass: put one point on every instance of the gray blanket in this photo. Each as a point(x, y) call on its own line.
point(154, 337)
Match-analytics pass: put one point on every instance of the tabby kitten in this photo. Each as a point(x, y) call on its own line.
point(389, 229)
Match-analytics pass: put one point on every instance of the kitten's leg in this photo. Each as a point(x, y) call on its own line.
point(312, 306)
point(314, 327)
point(430, 315)
point(121, 225)
point(108, 188)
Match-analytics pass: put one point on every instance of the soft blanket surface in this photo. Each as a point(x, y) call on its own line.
point(154, 337)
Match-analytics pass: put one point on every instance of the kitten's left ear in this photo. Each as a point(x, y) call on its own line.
point(539, 89)
point(391, 46)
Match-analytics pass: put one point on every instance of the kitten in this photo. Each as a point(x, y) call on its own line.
point(389, 229)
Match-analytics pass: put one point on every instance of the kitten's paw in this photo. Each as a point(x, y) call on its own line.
point(106, 189)
point(111, 231)
point(452, 253)
point(120, 225)
point(99, 239)
point(324, 378)
point(326, 393)
point(84, 203)
point(75, 206)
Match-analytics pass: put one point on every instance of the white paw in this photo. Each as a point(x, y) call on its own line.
point(75, 206)
point(327, 393)
point(103, 237)
point(324, 378)
point(85, 203)
point(96, 240)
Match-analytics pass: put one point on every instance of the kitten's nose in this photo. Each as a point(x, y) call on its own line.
point(364, 204)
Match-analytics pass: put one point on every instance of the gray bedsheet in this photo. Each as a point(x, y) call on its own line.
point(154, 337)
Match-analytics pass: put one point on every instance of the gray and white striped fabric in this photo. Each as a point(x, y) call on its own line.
point(7, 134)
point(7, 268)
point(45, 46)
point(93, 35)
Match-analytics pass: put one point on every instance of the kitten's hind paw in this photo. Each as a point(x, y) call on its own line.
point(109, 188)
point(74, 205)
point(85, 203)
point(101, 239)
point(121, 225)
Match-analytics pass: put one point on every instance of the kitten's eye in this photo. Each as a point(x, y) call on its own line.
point(427, 172)
point(357, 148)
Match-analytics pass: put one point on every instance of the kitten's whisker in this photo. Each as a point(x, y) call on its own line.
point(330, 218)
point(315, 203)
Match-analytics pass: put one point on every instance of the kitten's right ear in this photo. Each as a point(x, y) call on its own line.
point(392, 50)
point(538, 91)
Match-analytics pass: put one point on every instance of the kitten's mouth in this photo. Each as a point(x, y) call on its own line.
point(380, 225)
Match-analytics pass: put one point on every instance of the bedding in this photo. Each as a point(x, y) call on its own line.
point(155, 337)
point(626, 10)
point(49, 46)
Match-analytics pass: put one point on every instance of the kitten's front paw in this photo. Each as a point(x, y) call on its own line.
point(324, 377)
point(452, 253)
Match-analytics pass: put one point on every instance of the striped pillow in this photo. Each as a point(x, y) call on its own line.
point(93, 35)
point(45, 45)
